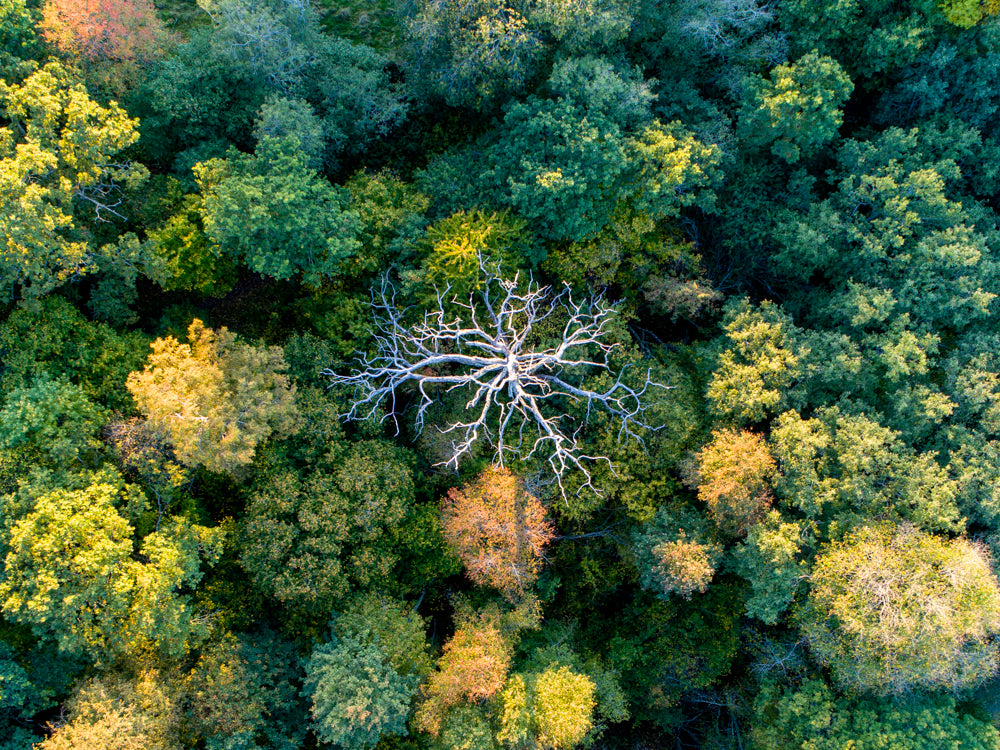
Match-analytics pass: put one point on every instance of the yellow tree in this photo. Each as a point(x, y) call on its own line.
point(216, 398)
point(897, 609)
point(117, 713)
point(550, 710)
point(735, 473)
point(57, 149)
point(498, 530)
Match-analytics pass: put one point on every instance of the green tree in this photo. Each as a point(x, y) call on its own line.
point(892, 241)
point(566, 167)
point(769, 560)
point(242, 693)
point(57, 341)
point(394, 626)
point(70, 574)
point(215, 398)
point(54, 420)
point(891, 610)
point(869, 38)
point(811, 716)
point(281, 117)
point(797, 109)
point(357, 697)
point(274, 214)
point(191, 262)
point(842, 469)
point(310, 535)
point(57, 150)
point(473, 53)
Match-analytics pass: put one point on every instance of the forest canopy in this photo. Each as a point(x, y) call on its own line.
point(479, 375)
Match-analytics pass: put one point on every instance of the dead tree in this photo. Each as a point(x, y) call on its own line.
point(483, 346)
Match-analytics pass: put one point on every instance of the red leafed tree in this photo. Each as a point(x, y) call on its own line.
point(498, 530)
point(122, 31)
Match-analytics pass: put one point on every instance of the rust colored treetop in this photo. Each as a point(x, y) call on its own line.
point(520, 394)
point(498, 530)
point(122, 30)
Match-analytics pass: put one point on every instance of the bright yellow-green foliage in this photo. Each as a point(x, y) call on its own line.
point(56, 149)
point(457, 243)
point(671, 165)
point(192, 262)
point(550, 710)
point(564, 706)
point(967, 13)
point(894, 609)
point(757, 365)
point(71, 574)
point(216, 398)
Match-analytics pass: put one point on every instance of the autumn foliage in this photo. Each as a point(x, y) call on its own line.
point(735, 472)
point(122, 30)
point(116, 38)
point(684, 566)
point(472, 668)
point(498, 530)
point(216, 399)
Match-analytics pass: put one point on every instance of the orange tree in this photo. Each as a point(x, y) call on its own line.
point(498, 530)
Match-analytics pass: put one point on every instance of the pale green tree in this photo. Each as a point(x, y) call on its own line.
point(357, 697)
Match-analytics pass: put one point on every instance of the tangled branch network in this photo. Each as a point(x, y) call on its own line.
point(517, 394)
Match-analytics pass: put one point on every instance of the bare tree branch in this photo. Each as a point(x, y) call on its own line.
point(481, 347)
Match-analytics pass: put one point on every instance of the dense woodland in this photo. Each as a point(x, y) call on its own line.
point(487, 375)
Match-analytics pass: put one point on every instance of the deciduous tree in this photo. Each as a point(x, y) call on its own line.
point(310, 535)
point(811, 716)
point(276, 215)
point(71, 575)
point(57, 150)
point(215, 398)
point(472, 668)
point(498, 530)
point(550, 710)
point(676, 553)
point(116, 38)
point(735, 472)
point(798, 108)
point(891, 610)
point(357, 697)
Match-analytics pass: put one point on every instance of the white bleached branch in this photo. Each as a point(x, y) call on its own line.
point(482, 346)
